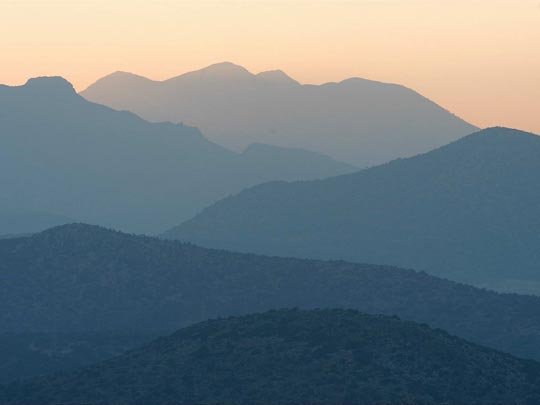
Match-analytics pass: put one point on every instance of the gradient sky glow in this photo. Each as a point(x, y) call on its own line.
point(478, 58)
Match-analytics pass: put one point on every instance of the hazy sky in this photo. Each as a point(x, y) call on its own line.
point(478, 58)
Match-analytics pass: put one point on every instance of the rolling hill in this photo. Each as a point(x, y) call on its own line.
point(359, 121)
point(61, 154)
point(78, 279)
point(295, 357)
point(468, 211)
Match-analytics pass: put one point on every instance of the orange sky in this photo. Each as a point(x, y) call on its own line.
point(478, 58)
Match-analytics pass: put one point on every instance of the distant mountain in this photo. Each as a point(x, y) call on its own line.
point(62, 154)
point(79, 278)
point(296, 357)
point(358, 121)
point(468, 211)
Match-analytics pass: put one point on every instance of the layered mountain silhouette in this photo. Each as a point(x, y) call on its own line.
point(468, 211)
point(296, 357)
point(79, 279)
point(359, 121)
point(61, 154)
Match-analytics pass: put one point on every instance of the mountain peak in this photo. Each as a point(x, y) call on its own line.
point(74, 230)
point(55, 84)
point(218, 71)
point(226, 69)
point(277, 77)
point(504, 131)
point(74, 226)
point(120, 74)
point(499, 137)
point(118, 81)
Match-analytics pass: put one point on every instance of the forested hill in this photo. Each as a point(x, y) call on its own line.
point(296, 357)
point(77, 278)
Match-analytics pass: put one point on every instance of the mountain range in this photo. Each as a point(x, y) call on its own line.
point(359, 121)
point(468, 211)
point(88, 312)
point(65, 157)
point(77, 293)
point(295, 357)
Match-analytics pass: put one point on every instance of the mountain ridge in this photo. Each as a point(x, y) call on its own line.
point(359, 121)
point(78, 278)
point(88, 162)
point(451, 212)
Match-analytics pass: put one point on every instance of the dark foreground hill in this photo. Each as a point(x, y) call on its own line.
point(63, 155)
point(359, 121)
point(80, 278)
point(296, 357)
point(468, 211)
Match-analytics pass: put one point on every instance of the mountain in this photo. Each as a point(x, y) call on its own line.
point(61, 154)
point(78, 279)
point(468, 211)
point(296, 357)
point(359, 121)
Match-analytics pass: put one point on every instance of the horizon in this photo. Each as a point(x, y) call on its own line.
point(475, 59)
point(480, 128)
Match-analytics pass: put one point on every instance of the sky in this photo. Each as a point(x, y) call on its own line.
point(480, 59)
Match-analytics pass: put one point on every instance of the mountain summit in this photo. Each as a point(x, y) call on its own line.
point(278, 77)
point(226, 70)
point(358, 121)
point(50, 85)
point(40, 90)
